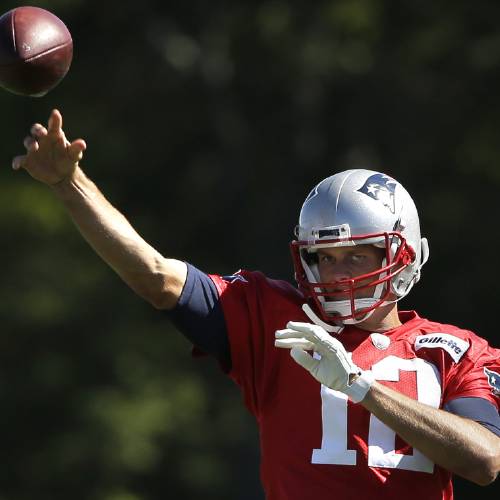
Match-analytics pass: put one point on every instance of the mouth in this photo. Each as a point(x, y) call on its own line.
point(336, 294)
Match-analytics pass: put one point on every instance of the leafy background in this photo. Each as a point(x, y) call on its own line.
point(207, 124)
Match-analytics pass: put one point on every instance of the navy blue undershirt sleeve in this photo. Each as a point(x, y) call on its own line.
point(198, 316)
point(481, 410)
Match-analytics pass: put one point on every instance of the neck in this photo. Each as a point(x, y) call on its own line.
point(384, 318)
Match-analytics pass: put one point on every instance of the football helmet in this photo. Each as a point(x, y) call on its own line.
point(358, 207)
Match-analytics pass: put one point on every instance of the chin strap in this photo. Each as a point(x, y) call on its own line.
point(343, 308)
point(318, 321)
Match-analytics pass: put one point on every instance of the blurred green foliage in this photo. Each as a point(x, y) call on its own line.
point(207, 123)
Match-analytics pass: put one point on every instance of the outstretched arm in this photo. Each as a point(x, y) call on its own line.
point(51, 159)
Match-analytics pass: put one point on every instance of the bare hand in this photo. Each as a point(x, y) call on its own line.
point(50, 157)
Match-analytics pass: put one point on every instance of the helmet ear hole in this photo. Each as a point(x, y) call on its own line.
point(399, 286)
point(424, 257)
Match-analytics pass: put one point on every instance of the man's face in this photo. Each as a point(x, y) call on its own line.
point(341, 263)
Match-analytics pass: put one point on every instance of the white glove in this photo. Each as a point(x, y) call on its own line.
point(335, 369)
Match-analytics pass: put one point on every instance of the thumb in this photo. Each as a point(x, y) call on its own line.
point(304, 359)
point(76, 149)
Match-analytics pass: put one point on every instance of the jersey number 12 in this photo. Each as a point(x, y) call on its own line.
point(381, 439)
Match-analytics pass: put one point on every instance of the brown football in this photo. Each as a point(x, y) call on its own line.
point(36, 50)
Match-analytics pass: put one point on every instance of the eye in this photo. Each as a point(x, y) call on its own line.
point(325, 258)
point(358, 258)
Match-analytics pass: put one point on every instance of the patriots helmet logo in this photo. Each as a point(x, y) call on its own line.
point(493, 381)
point(381, 187)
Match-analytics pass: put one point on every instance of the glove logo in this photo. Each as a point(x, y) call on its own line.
point(493, 381)
point(381, 188)
point(454, 346)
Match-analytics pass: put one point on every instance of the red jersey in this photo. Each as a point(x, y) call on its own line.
point(314, 442)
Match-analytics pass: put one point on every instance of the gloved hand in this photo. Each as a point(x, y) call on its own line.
point(335, 369)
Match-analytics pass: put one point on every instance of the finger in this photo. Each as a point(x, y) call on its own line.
point(38, 130)
point(309, 330)
point(303, 327)
point(289, 333)
point(76, 149)
point(290, 343)
point(55, 122)
point(18, 162)
point(30, 144)
point(304, 359)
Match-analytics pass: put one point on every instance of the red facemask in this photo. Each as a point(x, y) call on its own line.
point(398, 255)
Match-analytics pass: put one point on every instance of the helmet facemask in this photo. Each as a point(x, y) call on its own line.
point(340, 302)
point(358, 207)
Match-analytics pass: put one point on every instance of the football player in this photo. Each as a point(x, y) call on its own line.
point(353, 398)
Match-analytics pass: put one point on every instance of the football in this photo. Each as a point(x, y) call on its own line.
point(36, 50)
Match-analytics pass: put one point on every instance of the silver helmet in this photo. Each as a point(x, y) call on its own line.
point(359, 207)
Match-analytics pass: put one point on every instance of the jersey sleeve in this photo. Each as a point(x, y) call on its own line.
point(477, 375)
point(199, 317)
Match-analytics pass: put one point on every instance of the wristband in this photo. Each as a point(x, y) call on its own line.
point(359, 388)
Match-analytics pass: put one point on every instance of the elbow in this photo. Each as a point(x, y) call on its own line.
point(161, 286)
point(485, 477)
point(160, 299)
point(486, 470)
point(163, 301)
point(159, 296)
point(489, 473)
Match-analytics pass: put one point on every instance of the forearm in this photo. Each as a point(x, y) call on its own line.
point(459, 445)
point(145, 270)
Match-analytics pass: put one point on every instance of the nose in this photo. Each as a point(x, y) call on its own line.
point(336, 290)
point(338, 277)
point(337, 273)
